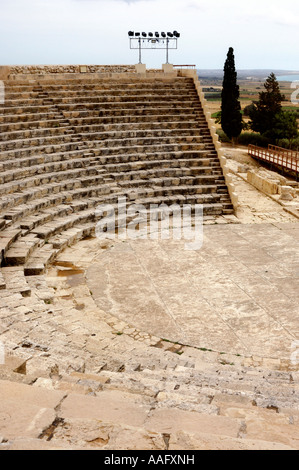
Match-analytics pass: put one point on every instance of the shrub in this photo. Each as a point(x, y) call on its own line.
point(245, 139)
point(253, 138)
point(223, 137)
point(289, 144)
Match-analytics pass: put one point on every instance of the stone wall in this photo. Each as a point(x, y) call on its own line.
point(47, 69)
point(64, 69)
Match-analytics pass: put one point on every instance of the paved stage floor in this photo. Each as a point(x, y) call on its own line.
point(238, 294)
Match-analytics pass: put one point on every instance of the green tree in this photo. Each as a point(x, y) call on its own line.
point(231, 116)
point(263, 113)
point(284, 126)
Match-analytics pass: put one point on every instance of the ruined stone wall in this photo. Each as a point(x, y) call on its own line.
point(62, 69)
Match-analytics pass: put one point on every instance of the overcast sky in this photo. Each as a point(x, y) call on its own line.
point(264, 34)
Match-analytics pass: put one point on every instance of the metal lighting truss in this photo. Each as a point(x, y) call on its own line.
point(162, 41)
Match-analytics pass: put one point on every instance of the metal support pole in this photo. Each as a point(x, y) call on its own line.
point(139, 51)
point(167, 44)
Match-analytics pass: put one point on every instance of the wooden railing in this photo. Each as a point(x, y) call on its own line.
point(276, 156)
point(286, 152)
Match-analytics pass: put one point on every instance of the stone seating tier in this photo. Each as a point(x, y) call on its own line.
point(66, 147)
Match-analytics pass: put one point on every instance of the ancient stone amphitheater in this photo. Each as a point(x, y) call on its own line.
point(88, 362)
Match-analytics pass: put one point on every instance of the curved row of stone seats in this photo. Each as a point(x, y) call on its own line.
point(102, 131)
point(139, 385)
point(68, 147)
point(109, 139)
point(14, 131)
point(95, 96)
point(33, 128)
point(116, 91)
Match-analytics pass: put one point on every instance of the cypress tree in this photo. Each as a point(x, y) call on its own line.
point(231, 116)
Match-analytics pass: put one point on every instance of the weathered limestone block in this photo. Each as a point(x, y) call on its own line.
point(287, 193)
point(264, 181)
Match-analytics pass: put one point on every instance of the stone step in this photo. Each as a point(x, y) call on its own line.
point(40, 259)
point(71, 236)
point(89, 118)
point(104, 97)
point(118, 86)
point(7, 238)
point(150, 144)
point(98, 96)
point(42, 120)
point(47, 159)
point(145, 149)
point(32, 132)
point(48, 178)
point(101, 131)
point(15, 280)
point(57, 225)
point(173, 390)
point(27, 196)
point(47, 205)
point(174, 162)
point(44, 217)
point(20, 250)
point(173, 158)
point(188, 134)
point(164, 177)
point(23, 172)
point(115, 410)
point(85, 104)
point(71, 86)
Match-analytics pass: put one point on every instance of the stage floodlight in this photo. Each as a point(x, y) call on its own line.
point(160, 40)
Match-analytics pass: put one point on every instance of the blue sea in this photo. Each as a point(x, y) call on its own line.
point(288, 78)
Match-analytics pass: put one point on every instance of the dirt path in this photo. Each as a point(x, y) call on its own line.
point(255, 207)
